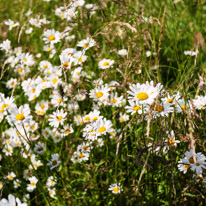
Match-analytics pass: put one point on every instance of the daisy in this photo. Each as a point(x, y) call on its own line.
point(56, 136)
point(32, 185)
point(35, 22)
point(84, 147)
point(52, 192)
point(5, 45)
point(162, 109)
point(41, 107)
point(102, 126)
point(95, 115)
point(115, 188)
point(86, 43)
point(135, 107)
point(35, 163)
point(183, 167)
point(57, 118)
point(116, 101)
point(19, 116)
point(123, 117)
point(44, 66)
point(79, 58)
point(11, 176)
point(79, 156)
point(171, 139)
point(40, 148)
point(100, 93)
point(200, 102)
point(105, 63)
point(67, 130)
point(54, 161)
point(51, 181)
point(6, 104)
point(145, 93)
point(10, 202)
point(66, 61)
point(51, 36)
point(171, 99)
point(27, 59)
point(55, 81)
point(182, 105)
point(11, 24)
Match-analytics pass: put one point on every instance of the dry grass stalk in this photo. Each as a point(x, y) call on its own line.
point(191, 131)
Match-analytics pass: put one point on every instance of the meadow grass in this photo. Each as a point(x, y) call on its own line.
point(77, 109)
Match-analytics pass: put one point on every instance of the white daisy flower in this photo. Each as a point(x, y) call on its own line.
point(115, 188)
point(144, 93)
point(57, 118)
point(136, 107)
point(105, 63)
point(51, 36)
point(54, 161)
point(200, 102)
point(11, 24)
point(32, 185)
point(86, 43)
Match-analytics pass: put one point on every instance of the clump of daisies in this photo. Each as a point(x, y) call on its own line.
point(194, 161)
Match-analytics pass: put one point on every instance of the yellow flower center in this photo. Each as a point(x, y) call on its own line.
point(10, 177)
point(85, 147)
point(32, 183)
point(59, 118)
point(80, 60)
point(142, 96)
point(122, 119)
point(102, 129)
point(25, 60)
point(66, 64)
point(112, 133)
point(105, 64)
point(52, 38)
point(33, 127)
point(19, 70)
point(45, 66)
point(114, 100)
point(67, 131)
point(20, 117)
point(86, 45)
point(191, 160)
point(136, 108)
point(87, 118)
point(115, 189)
point(42, 106)
point(12, 84)
point(95, 118)
point(99, 94)
point(158, 108)
point(187, 167)
point(59, 100)
point(183, 107)
point(169, 101)
point(54, 81)
point(81, 155)
point(33, 90)
point(172, 141)
point(4, 106)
